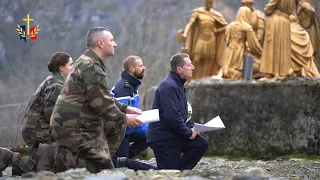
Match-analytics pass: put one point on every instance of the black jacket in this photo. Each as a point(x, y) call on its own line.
point(170, 98)
point(126, 86)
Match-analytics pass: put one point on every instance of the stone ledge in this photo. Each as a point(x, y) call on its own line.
point(263, 120)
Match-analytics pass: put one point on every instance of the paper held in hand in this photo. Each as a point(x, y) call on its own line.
point(214, 124)
point(149, 116)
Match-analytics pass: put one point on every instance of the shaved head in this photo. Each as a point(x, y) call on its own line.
point(130, 61)
point(94, 34)
point(134, 66)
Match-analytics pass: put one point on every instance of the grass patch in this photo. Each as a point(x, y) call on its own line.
point(230, 157)
point(302, 156)
point(285, 157)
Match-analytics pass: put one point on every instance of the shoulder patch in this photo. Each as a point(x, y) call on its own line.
point(126, 84)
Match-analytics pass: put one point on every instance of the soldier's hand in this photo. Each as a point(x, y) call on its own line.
point(133, 110)
point(194, 134)
point(132, 121)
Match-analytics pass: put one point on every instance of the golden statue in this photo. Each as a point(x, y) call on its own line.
point(257, 21)
point(308, 20)
point(240, 40)
point(303, 64)
point(276, 54)
point(203, 39)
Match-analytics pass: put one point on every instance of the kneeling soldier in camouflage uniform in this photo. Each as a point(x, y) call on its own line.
point(35, 129)
point(87, 124)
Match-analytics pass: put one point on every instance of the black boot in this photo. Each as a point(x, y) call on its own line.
point(22, 164)
point(5, 159)
point(121, 162)
point(133, 164)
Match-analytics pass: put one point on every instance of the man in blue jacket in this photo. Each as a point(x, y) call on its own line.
point(126, 91)
point(172, 135)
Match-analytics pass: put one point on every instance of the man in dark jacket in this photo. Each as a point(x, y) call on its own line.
point(172, 135)
point(126, 91)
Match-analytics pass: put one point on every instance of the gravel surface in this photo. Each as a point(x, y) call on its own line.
point(207, 168)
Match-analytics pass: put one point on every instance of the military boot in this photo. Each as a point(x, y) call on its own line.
point(22, 164)
point(5, 159)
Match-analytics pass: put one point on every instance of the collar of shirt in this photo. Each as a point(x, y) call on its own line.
point(132, 80)
point(60, 77)
point(95, 57)
point(177, 78)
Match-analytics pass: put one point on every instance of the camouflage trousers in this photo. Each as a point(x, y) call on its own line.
point(33, 134)
point(94, 154)
point(44, 157)
point(40, 141)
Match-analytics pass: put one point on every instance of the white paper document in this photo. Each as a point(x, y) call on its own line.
point(149, 116)
point(214, 124)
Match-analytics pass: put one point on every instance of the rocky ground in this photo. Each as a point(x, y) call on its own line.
point(207, 168)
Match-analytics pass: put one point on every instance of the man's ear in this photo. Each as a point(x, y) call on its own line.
point(131, 69)
point(179, 69)
point(100, 43)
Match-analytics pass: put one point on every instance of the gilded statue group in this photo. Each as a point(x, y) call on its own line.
point(283, 40)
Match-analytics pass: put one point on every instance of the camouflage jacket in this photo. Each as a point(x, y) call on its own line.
point(36, 120)
point(84, 104)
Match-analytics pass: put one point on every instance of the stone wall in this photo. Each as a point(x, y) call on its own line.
point(262, 119)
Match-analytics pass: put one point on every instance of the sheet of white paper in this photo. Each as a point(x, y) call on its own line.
point(214, 124)
point(149, 116)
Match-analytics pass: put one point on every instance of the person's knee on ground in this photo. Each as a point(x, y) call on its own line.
point(20, 163)
point(64, 159)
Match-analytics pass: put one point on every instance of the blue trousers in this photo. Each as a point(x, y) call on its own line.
point(168, 152)
point(130, 151)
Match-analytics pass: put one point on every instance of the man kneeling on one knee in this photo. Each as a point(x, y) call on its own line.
point(173, 134)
